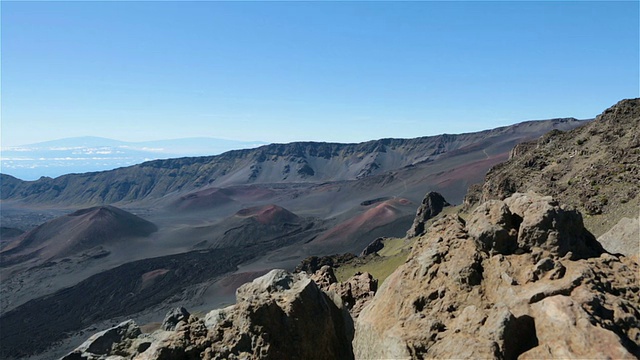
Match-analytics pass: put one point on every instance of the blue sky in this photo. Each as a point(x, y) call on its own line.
point(323, 71)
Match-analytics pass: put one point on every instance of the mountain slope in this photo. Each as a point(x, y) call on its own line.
point(595, 168)
point(275, 163)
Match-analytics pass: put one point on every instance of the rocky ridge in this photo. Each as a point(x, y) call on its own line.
point(522, 278)
point(277, 316)
point(595, 168)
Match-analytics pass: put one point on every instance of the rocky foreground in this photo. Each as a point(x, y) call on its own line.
point(521, 278)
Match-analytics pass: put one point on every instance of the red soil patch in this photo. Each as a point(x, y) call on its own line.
point(268, 214)
point(379, 215)
point(212, 197)
point(149, 278)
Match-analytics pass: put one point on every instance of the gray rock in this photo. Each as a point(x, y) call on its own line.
point(493, 224)
point(173, 317)
point(550, 227)
point(432, 205)
point(106, 343)
point(375, 246)
point(623, 238)
point(277, 316)
point(283, 315)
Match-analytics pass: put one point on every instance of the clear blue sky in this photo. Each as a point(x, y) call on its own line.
point(325, 71)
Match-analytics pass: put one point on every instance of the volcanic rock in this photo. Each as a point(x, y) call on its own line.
point(623, 237)
point(112, 341)
point(549, 226)
point(477, 290)
point(314, 263)
point(277, 316)
point(173, 317)
point(432, 205)
point(493, 224)
point(375, 246)
point(355, 293)
point(595, 168)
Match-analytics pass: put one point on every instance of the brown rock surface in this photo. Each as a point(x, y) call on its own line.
point(595, 168)
point(463, 294)
point(355, 293)
point(277, 316)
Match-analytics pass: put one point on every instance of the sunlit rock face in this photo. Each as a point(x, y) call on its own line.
point(521, 278)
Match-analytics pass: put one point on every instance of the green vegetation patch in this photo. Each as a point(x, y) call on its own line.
point(394, 246)
point(379, 266)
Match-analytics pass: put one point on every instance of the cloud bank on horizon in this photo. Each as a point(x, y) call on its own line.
point(87, 154)
point(294, 71)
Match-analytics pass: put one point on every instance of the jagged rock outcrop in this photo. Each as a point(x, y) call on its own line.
point(595, 168)
point(432, 205)
point(375, 246)
point(173, 317)
point(521, 279)
point(114, 341)
point(277, 316)
point(314, 263)
point(355, 293)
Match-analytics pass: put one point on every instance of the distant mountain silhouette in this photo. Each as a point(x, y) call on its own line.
point(301, 162)
point(90, 153)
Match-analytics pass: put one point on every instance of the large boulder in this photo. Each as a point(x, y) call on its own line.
point(432, 205)
point(551, 227)
point(373, 248)
point(623, 237)
point(521, 278)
